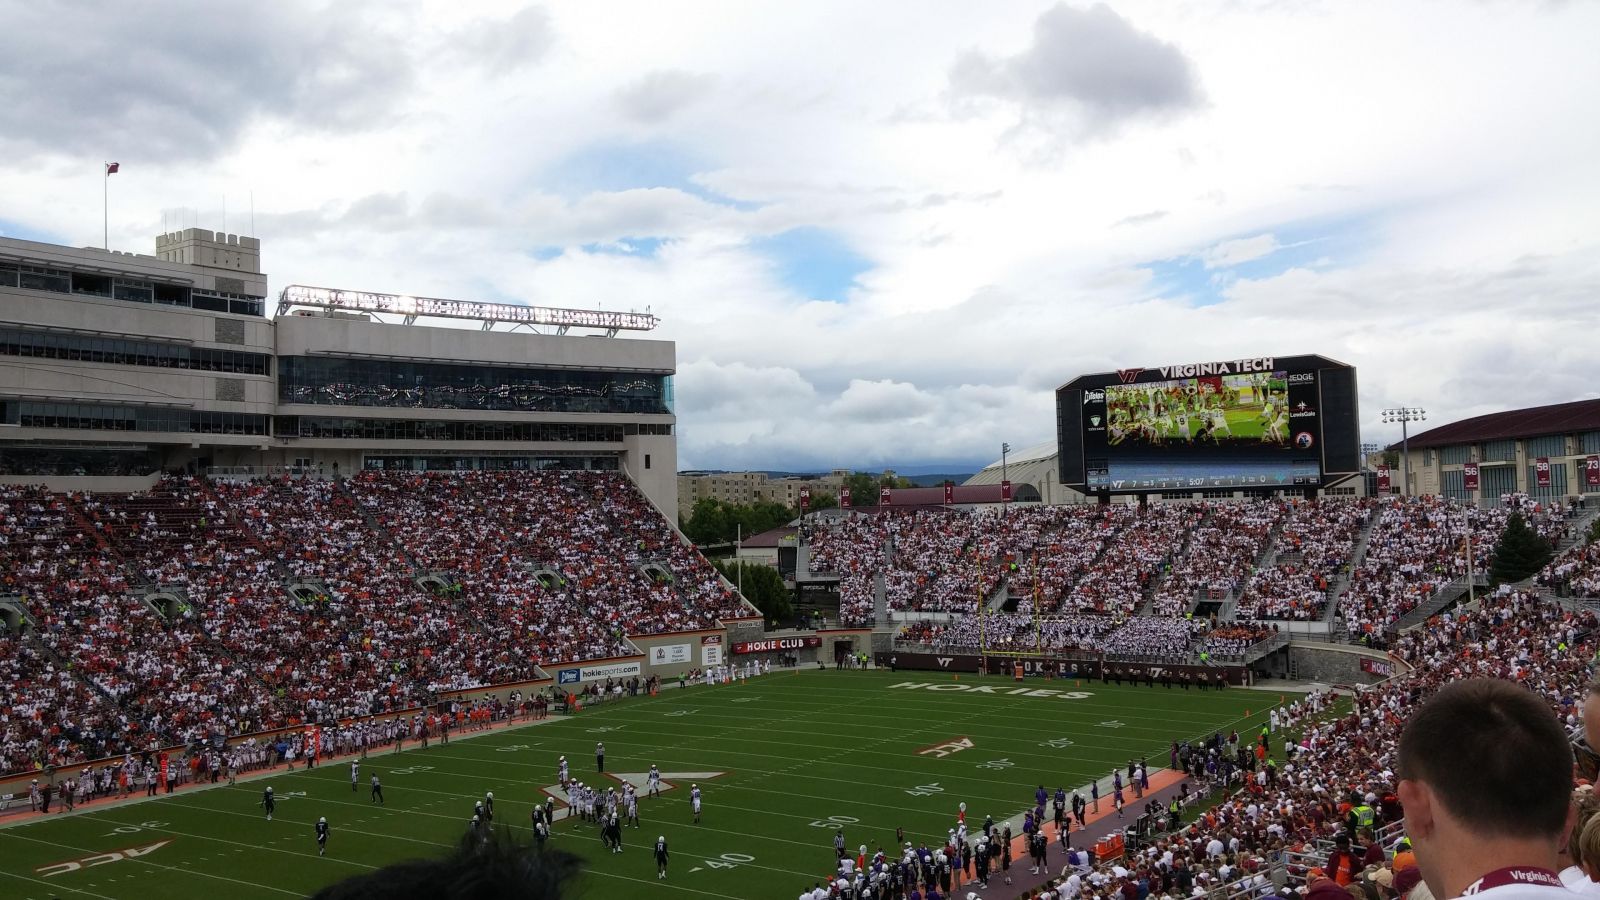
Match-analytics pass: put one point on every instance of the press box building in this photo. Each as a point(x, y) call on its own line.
point(122, 365)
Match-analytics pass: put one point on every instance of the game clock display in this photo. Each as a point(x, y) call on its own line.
point(1250, 430)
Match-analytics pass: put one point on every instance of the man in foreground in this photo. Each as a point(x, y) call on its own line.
point(1486, 782)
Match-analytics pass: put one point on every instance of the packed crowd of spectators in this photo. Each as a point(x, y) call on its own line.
point(1316, 543)
point(194, 609)
point(1222, 551)
point(1294, 815)
point(1417, 545)
point(1115, 585)
point(1575, 573)
point(1232, 640)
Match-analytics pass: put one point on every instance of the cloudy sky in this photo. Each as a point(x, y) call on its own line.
point(878, 232)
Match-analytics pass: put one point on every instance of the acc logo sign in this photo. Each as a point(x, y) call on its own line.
point(100, 859)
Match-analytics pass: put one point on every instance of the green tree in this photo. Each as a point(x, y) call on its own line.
point(864, 486)
point(707, 520)
point(1520, 553)
point(821, 501)
point(762, 586)
point(714, 522)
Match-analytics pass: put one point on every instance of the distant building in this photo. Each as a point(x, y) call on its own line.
point(751, 487)
point(1034, 474)
point(1507, 448)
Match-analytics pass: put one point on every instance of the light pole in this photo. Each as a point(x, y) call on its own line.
point(1405, 415)
point(1005, 448)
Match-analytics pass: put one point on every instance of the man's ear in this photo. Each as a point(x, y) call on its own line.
point(1417, 800)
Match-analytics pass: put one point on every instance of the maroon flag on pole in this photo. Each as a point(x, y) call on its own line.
point(1591, 471)
point(1005, 491)
point(1541, 471)
point(949, 493)
point(111, 168)
point(844, 498)
point(805, 498)
point(1383, 480)
point(1469, 476)
point(883, 497)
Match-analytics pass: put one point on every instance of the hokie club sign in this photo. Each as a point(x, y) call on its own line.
point(767, 646)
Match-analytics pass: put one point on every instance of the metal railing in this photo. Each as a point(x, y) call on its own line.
point(268, 472)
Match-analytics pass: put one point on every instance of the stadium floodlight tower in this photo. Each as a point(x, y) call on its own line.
point(1005, 448)
point(1405, 415)
point(411, 308)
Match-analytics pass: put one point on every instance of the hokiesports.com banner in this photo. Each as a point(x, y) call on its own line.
point(767, 646)
point(600, 672)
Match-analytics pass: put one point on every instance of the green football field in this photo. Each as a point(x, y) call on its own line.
point(781, 761)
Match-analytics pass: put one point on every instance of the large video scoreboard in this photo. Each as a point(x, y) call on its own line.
point(1267, 423)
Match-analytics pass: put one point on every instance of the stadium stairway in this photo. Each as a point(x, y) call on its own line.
point(1153, 589)
point(238, 525)
point(1578, 529)
point(65, 665)
point(377, 527)
point(1448, 593)
point(1341, 584)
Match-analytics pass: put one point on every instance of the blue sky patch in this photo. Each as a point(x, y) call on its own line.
point(814, 262)
point(611, 167)
point(545, 254)
point(1203, 278)
point(22, 232)
point(643, 247)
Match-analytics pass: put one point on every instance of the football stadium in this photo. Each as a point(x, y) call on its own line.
point(322, 604)
point(569, 476)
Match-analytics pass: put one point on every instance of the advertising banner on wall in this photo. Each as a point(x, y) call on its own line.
point(711, 650)
point(1057, 668)
point(1469, 476)
point(668, 654)
point(599, 672)
point(773, 644)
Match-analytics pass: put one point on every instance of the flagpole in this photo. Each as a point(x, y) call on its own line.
point(105, 205)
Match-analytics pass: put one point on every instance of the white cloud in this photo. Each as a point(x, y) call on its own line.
point(658, 95)
point(392, 162)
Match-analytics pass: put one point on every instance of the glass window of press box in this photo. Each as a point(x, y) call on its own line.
point(127, 288)
point(418, 385)
point(113, 417)
point(129, 352)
